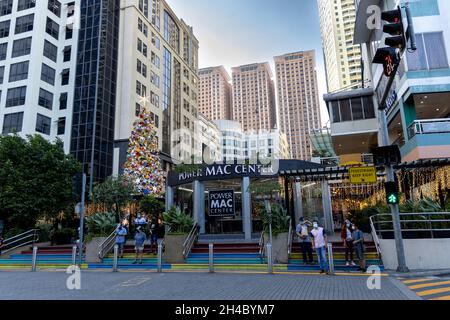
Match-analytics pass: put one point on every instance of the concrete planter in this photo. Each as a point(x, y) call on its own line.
point(92, 249)
point(279, 247)
point(173, 244)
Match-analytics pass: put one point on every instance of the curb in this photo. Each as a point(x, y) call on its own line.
point(422, 273)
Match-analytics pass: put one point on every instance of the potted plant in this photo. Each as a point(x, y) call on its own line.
point(100, 226)
point(280, 232)
point(178, 225)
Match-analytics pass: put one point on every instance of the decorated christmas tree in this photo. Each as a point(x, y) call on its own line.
point(143, 167)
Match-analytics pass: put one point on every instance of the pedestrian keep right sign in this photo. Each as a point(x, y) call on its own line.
point(363, 175)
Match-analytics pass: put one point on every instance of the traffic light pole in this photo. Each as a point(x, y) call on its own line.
point(395, 210)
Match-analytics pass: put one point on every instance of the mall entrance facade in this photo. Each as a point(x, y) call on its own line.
point(222, 200)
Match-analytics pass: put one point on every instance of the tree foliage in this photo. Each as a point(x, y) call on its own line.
point(113, 192)
point(178, 221)
point(151, 205)
point(35, 180)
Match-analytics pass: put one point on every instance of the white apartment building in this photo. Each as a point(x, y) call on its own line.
point(208, 139)
point(342, 57)
point(157, 70)
point(239, 145)
point(38, 47)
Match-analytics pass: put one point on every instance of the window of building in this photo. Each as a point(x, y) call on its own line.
point(4, 28)
point(24, 24)
point(25, 4)
point(137, 110)
point(69, 33)
point(45, 99)
point(67, 53)
point(43, 124)
point(357, 109)
point(70, 9)
point(55, 7)
point(50, 51)
point(21, 47)
point(2, 73)
point(52, 28)
point(18, 71)
point(5, 7)
point(16, 97)
point(48, 74)
point(63, 101)
point(430, 54)
point(3, 49)
point(65, 77)
point(12, 122)
point(61, 126)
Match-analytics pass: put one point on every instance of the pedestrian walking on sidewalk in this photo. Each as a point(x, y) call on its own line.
point(346, 236)
point(140, 237)
point(121, 233)
point(358, 242)
point(320, 244)
point(305, 240)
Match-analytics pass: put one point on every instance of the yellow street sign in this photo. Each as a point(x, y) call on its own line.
point(363, 175)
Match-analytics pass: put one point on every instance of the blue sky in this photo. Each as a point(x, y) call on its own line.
point(237, 32)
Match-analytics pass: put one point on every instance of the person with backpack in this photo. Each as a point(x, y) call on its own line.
point(302, 231)
point(358, 243)
point(346, 236)
point(140, 237)
point(320, 245)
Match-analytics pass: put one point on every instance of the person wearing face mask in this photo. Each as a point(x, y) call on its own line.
point(319, 244)
point(358, 242)
point(304, 237)
point(140, 221)
point(346, 236)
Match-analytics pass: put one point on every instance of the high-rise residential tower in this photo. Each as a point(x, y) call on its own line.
point(215, 93)
point(342, 57)
point(254, 97)
point(38, 46)
point(298, 100)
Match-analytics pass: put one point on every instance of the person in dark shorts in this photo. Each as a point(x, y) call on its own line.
point(139, 238)
point(358, 243)
point(305, 240)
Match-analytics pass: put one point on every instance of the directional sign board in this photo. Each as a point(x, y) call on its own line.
point(363, 175)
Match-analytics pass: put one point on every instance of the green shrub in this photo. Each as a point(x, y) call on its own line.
point(178, 221)
point(9, 233)
point(101, 224)
point(45, 232)
point(280, 220)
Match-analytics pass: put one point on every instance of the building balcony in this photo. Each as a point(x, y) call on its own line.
point(427, 139)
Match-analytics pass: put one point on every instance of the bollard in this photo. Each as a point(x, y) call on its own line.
point(211, 257)
point(74, 255)
point(34, 259)
point(116, 255)
point(330, 258)
point(160, 257)
point(269, 259)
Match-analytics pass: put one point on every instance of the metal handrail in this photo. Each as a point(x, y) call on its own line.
point(290, 237)
point(20, 240)
point(190, 240)
point(375, 223)
point(376, 240)
point(262, 247)
point(107, 245)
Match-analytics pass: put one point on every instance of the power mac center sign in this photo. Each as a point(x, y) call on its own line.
point(222, 172)
point(221, 203)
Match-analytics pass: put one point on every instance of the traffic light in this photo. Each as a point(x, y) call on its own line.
point(395, 28)
point(391, 193)
point(390, 56)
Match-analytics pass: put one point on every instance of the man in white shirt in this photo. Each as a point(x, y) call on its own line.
point(302, 231)
point(319, 244)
